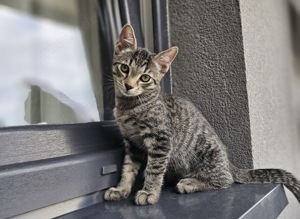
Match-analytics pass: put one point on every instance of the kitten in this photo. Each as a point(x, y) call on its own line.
point(170, 132)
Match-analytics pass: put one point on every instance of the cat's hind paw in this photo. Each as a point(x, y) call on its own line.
point(146, 198)
point(115, 194)
point(188, 186)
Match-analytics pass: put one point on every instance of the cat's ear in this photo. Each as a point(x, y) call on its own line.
point(126, 39)
point(165, 58)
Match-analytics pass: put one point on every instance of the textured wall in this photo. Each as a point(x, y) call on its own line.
point(270, 81)
point(210, 70)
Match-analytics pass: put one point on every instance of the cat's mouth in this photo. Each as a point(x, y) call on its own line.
point(129, 93)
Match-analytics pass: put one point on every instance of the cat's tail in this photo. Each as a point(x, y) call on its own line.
point(267, 176)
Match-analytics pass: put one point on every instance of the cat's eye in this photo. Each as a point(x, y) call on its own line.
point(145, 78)
point(124, 68)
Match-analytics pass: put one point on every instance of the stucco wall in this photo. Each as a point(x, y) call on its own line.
point(235, 64)
point(210, 69)
point(270, 87)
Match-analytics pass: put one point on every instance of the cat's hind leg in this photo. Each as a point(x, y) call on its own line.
point(190, 185)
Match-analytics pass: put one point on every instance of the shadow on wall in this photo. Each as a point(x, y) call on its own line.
point(295, 34)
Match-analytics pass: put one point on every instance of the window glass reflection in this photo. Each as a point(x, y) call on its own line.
point(44, 73)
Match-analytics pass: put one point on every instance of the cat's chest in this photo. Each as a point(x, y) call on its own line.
point(136, 125)
point(132, 127)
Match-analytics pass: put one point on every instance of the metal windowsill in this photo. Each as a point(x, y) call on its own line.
point(239, 201)
point(27, 180)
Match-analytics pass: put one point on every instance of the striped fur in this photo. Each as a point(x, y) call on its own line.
point(170, 132)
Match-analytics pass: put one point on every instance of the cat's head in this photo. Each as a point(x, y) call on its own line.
point(137, 70)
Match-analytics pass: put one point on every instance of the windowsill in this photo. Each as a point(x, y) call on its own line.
point(239, 201)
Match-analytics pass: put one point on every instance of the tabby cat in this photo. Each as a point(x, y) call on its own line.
point(170, 132)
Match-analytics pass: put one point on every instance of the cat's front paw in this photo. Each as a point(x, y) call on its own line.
point(146, 198)
point(115, 194)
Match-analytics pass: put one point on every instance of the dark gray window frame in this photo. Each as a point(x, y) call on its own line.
point(41, 165)
point(44, 165)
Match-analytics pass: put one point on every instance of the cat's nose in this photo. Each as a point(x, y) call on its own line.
point(128, 87)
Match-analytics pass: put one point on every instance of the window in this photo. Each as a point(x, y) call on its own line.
point(56, 98)
point(55, 68)
point(47, 75)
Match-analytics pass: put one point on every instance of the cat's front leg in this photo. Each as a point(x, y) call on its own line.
point(158, 157)
point(131, 166)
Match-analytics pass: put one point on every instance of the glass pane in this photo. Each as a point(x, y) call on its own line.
point(46, 76)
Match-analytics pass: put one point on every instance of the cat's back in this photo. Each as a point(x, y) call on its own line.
point(188, 123)
point(183, 111)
